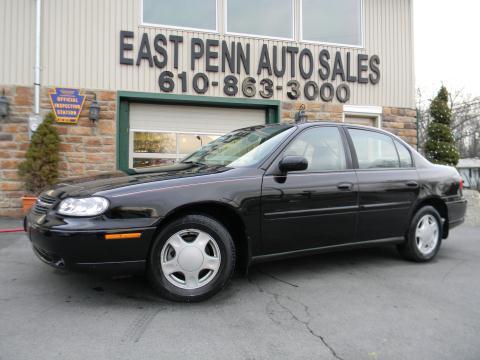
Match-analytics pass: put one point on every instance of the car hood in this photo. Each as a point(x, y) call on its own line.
point(90, 185)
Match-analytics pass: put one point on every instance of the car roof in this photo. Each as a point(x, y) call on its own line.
point(355, 126)
point(308, 124)
point(316, 123)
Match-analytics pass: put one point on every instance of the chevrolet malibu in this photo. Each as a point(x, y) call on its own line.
point(255, 194)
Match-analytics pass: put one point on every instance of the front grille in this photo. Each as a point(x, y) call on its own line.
point(43, 204)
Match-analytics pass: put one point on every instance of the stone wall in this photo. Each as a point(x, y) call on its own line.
point(86, 148)
point(401, 122)
point(315, 111)
point(13, 145)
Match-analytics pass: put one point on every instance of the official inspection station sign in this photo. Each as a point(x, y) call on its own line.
point(67, 105)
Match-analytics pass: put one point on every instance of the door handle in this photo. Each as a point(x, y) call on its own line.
point(412, 183)
point(345, 186)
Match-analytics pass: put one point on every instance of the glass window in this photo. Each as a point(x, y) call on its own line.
point(161, 148)
point(244, 147)
point(374, 150)
point(404, 155)
point(149, 162)
point(150, 142)
point(261, 17)
point(322, 147)
point(332, 21)
point(188, 143)
point(196, 14)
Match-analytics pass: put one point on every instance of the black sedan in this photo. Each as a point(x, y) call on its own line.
point(253, 195)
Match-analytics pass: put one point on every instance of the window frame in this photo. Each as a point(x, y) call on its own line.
point(412, 161)
point(362, 30)
point(354, 151)
point(278, 156)
point(174, 27)
point(258, 36)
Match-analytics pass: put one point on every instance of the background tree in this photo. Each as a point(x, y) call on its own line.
point(423, 120)
point(465, 123)
point(440, 147)
point(40, 169)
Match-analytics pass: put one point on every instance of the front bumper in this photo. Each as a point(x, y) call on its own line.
point(88, 249)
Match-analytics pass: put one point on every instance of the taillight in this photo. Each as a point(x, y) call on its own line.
point(461, 184)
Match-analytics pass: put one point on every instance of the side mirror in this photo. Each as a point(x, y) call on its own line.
point(293, 163)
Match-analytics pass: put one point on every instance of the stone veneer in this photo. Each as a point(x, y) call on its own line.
point(89, 149)
point(401, 122)
point(86, 148)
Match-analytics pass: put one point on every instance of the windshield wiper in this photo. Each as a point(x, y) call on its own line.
point(193, 163)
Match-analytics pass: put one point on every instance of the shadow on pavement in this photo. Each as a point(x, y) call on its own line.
point(94, 286)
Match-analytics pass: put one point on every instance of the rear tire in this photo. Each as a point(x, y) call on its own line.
point(424, 236)
point(192, 259)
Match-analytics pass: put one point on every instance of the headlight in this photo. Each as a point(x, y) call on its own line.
point(90, 206)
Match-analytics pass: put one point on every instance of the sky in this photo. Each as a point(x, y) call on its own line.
point(447, 45)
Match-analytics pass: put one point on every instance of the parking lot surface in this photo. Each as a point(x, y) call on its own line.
point(366, 304)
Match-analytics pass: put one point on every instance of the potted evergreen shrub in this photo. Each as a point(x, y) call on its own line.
point(40, 168)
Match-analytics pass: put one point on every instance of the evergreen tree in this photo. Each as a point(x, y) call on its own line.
point(40, 169)
point(440, 147)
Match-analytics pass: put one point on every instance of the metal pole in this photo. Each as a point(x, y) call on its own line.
point(38, 28)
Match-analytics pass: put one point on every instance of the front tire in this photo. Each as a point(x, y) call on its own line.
point(191, 259)
point(424, 236)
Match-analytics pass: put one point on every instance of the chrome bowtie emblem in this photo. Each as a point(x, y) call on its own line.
point(43, 204)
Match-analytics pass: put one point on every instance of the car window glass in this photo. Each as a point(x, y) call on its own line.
point(404, 155)
point(243, 147)
point(374, 150)
point(322, 147)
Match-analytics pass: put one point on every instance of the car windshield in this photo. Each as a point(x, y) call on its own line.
point(241, 148)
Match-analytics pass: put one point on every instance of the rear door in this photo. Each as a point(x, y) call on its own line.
point(388, 184)
point(312, 208)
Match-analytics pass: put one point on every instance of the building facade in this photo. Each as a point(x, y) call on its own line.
point(170, 76)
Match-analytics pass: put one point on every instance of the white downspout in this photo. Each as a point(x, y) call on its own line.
point(38, 28)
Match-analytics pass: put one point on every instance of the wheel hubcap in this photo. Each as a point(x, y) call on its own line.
point(426, 234)
point(190, 259)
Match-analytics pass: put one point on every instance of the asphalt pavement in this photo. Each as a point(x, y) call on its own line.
point(365, 304)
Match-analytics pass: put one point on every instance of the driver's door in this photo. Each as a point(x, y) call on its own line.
point(316, 207)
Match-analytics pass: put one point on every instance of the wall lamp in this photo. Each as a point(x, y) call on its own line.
point(4, 106)
point(94, 113)
point(301, 116)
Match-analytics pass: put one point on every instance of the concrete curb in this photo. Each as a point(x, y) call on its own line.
point(11, 230)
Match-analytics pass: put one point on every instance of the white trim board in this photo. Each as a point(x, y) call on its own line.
point(364, 111)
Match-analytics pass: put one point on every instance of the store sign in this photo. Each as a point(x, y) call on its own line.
point(234, 58)
point(67, 105)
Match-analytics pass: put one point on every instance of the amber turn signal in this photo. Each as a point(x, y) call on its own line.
point(122, 236)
